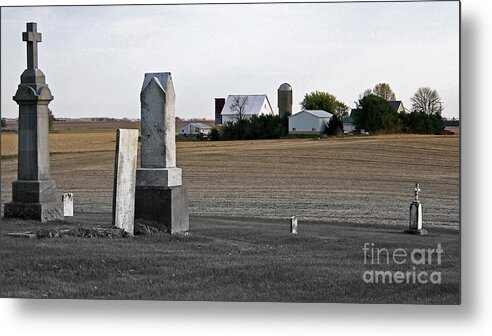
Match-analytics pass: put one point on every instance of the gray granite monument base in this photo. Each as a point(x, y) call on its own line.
point(418, 232)
point(165, 208)
point(41, 191)
point(34, 200)
point(44, 212)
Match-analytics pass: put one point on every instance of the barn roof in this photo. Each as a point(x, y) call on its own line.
point(316, 113)
point(395, 104)
point(254, 105)
point(199, 125)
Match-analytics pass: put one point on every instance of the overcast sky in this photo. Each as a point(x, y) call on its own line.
point(95, 57)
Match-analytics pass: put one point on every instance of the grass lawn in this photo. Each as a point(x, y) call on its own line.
point(226, 259)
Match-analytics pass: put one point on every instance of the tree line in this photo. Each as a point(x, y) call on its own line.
point(373, 113)
point(257, 127)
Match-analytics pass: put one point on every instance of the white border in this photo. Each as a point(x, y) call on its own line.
point(72, 317)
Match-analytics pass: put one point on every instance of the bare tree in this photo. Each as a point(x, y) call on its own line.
point(238, 105)
point(367, 92)
point(384, 91)
point(427, 100)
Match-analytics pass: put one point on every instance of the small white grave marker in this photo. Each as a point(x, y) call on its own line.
point(293, 225)
point(67, 200)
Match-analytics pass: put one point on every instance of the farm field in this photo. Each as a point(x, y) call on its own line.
point(345, 191)
point(358, 180)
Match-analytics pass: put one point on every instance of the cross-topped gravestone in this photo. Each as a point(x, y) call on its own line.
point(34, 192)
point(417, 192)
point(415, 223)
point(32, 37)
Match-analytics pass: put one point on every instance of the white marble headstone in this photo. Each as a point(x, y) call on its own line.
point(293, 225)
point(124, 179)
point(67, 199)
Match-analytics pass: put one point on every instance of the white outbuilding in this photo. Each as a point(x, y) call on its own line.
point(250, 105)
point(348, 125)
point(195, 129)
point(309, 121)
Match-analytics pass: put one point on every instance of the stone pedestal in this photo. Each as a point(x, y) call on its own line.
point(159, 177)
point(43, 212)
point(163, 207)
point(34, 192)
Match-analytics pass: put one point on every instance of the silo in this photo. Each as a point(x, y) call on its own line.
point(285, 99)
point(219, 105)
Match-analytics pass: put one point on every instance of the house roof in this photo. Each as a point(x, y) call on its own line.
point(254, 105)
point(348, 120)
point(199, 125)
point(395, 104)
point(316, 113)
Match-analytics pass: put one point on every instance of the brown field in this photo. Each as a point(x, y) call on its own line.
point(353, 180)
point(77, 126)
point(91, 126)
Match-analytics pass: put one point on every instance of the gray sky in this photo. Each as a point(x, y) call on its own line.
point(94, 58)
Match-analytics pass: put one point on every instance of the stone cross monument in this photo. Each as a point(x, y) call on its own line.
point(415, 225)
point(160, 198)
point(34, 192)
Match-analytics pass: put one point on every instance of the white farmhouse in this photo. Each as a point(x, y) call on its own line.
point(348, 124)
point(195, 129)
point(253, 105)
point(309, 121)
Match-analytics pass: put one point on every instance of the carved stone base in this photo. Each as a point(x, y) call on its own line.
point(159, 177)
point(43, 212)
point(165, 208)
point(418, 232)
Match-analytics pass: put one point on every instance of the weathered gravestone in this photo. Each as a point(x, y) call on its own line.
point(415, 225)
point(160, 198)
point(67, 200)
point(293, 225)
point(125, 166)
point(34, 192)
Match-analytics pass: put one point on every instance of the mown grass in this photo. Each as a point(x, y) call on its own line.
point(239, 260)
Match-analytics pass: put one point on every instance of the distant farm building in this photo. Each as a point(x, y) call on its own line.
point(195, 129)
point(451, 122)
point(348, 122)
point(397, 105)
point(309, 121)
point(254, 105)
point(284, 99)
point(219, 105)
